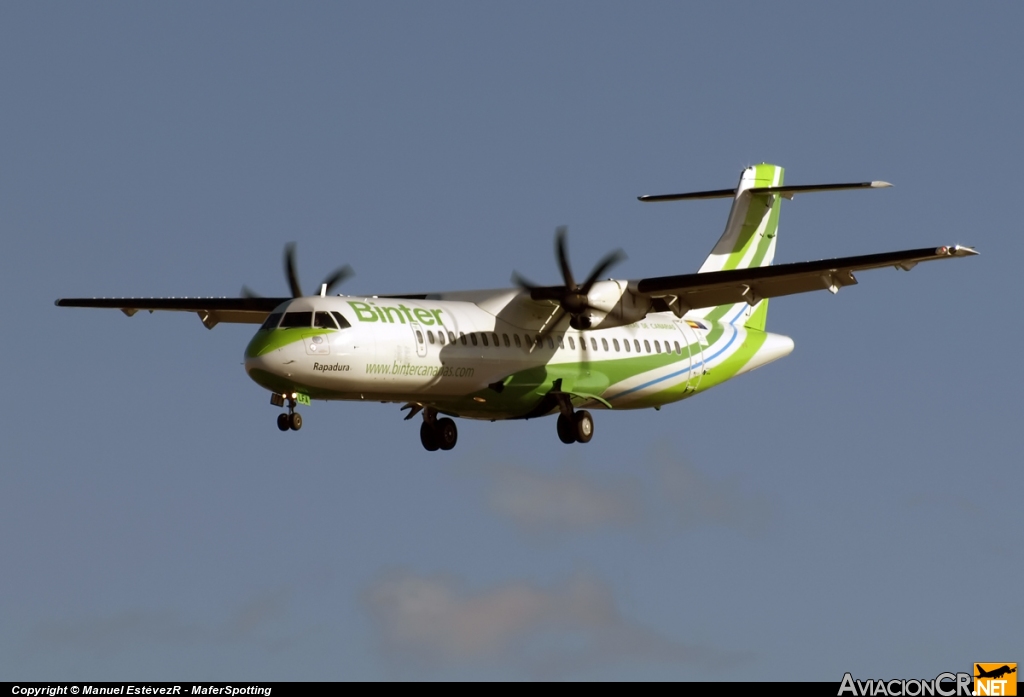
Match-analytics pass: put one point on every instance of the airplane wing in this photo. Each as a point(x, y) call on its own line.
point(711, 289)
point(211, 311)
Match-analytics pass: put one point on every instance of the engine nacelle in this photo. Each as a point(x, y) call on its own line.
point(614, 305)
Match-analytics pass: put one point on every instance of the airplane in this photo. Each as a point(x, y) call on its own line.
point(531, 351)
point(995, 673)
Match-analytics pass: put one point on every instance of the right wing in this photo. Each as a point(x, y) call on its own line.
point(750, 285)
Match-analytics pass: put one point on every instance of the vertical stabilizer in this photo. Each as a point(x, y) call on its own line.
point(748, 241)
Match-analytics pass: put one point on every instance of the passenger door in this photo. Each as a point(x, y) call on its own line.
point(419, 338)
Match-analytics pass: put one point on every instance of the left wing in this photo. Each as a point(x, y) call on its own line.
point(711, 289)
point(211, 311)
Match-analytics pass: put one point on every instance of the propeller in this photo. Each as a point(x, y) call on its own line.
point(336, 278)
point(572, 298)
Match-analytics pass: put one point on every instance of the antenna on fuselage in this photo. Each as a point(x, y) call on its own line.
point(323, 290)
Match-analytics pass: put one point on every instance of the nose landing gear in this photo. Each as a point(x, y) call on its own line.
point(291, 420)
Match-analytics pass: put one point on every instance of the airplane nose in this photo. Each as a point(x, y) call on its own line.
point(256, 363)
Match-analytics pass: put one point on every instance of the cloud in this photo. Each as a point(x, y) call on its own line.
point(695, 499)
point(108, 635)
point(661, 490)
point(563, 501)
point(548, 631)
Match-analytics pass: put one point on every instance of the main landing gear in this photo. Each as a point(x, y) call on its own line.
point(575, 427)
point(437, 434)
point(291, 420)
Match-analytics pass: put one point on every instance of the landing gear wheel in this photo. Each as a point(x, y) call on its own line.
point(283, 421)
point(446, 433)
point(566, 429)
point(584, 426)
point(295, 420)
point(428, 436)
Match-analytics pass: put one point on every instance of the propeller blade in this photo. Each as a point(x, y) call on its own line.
point(248, 292)
point(571, 298)
point(338, 277)
point(289, 270)
point(563, 257)
point(609, 261)
point(559, 315)
point(522, 282)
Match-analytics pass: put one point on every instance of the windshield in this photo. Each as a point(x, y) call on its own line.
point(324, 320)
point(297, 319)
point(271, 322)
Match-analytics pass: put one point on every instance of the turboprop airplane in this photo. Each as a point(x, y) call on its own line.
point(532, 351)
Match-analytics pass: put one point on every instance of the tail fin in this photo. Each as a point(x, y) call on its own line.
point(748, 240)
point(750, 233)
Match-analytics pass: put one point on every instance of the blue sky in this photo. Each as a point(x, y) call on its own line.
point(850, 508)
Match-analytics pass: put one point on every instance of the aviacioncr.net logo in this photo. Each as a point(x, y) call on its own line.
point(995, 679)
point(944, 685)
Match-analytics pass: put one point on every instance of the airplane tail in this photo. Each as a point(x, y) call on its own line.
point(748, 241)
point(750, 233)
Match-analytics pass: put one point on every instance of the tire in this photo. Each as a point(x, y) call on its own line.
point(566, 430)
point(282, 421)
point(295, 421)
point(447, 434)
point(584, 426)
point(428, 437)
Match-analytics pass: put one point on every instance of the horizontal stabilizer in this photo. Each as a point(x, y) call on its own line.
point(785, 191)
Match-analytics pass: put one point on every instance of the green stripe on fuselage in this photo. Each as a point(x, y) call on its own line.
point(266, 341)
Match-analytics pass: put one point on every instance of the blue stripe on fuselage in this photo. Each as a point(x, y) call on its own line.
point(692, 366)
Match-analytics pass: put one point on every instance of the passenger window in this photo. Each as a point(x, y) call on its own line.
point(342, 322)
point(462, 338)
point(615, 343)
point(472, 337)
point(505, 338)
point(636, 342)
point(494, 335)
point(483, 338)
point(518, 343)
point(323, 320)
point(440, 337)
point(430, 336)
point(593, 343)
point(551, 343)
point(561, 341)
point(527, 341)
point(451, 337)
point(419, 336)
point(678, 350)
point(657, 346)
point(297, 319)
point(604, 343)
point(625, 345)
point(572, 343)
point(271, 321)
point(647, 345)
point(583, 343)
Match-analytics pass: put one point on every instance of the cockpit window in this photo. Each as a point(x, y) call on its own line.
point(297, 319)
point(271, 322)
point(323, 320)
point(342, 322)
